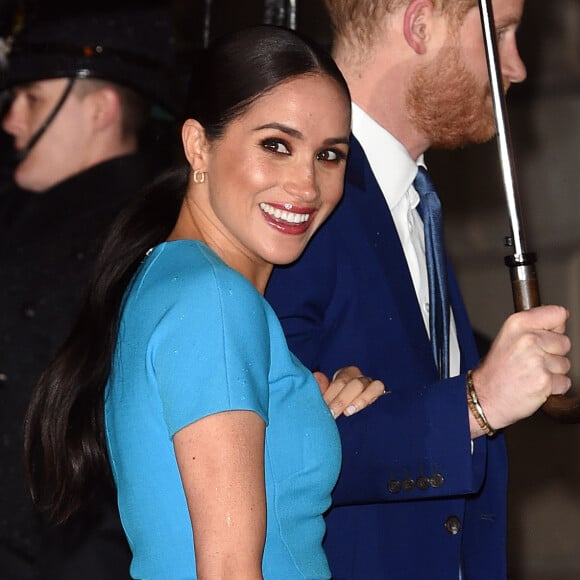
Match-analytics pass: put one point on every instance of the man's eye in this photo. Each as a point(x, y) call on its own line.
point(276, 146)
point(31, 98)
point(501, 33)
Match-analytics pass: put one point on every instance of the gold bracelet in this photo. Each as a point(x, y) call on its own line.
point(475, 407)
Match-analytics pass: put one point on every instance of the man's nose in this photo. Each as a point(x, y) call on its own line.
point(512, 65)
point(10, 118)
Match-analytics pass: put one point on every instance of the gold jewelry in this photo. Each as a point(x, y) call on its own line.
point(475, 407)
point(199, 176)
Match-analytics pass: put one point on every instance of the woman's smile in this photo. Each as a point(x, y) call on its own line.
point(287, 218)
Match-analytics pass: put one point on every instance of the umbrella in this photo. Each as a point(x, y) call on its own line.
point(521, 263)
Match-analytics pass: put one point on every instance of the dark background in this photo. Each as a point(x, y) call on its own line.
point(544, 524)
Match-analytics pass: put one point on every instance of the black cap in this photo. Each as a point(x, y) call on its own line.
point(134, 47)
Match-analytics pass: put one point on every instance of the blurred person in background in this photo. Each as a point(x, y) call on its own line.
point(84, 88)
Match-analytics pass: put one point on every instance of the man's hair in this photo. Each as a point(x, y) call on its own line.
point(359, 22)
point(134, 108)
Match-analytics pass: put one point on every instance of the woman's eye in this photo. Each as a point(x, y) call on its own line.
point(330, 155)
point(276, 146)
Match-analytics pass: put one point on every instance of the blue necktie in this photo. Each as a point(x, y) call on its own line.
point(430, 211)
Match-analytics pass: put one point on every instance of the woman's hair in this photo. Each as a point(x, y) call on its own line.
point(259, 59)
point(65, 446)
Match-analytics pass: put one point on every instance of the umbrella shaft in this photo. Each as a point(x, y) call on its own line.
point(506, 156)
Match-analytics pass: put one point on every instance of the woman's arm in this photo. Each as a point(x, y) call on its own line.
point(221, 462)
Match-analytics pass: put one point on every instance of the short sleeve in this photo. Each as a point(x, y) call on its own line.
point(210, 351)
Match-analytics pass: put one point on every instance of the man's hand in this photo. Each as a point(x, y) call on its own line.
point(526, 364)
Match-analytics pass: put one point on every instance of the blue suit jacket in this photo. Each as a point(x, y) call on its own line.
point(409, 479)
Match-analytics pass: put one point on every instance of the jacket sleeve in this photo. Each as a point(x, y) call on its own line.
point(413, 443)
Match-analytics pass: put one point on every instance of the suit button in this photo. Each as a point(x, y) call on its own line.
point(453, 525)
point(3, 379)
point(423, 483)
point(408, 484)
point(394, 486)
point(436, 480)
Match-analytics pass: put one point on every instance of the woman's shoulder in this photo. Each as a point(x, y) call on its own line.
point(184, 289)
point(181, 267)
point(180, 255)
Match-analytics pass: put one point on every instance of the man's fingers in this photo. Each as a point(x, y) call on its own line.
point(554, 343)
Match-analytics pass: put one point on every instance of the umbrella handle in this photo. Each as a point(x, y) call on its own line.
point(526, 295)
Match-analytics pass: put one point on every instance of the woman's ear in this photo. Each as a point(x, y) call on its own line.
point(417, 24)
point(195, 144)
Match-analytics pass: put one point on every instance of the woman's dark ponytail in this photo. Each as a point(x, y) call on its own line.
point(64, 438)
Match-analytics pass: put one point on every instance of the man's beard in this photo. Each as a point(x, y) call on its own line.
point(448, 105)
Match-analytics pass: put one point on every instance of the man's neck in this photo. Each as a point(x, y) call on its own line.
point(379, 87)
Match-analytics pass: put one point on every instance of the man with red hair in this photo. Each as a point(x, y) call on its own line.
point(422, 492)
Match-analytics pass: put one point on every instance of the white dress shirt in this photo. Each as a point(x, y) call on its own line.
point(395, 172)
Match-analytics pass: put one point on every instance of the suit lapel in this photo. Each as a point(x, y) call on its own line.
point(378, 229)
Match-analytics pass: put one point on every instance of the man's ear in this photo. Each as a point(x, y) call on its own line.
point(106, 106)
point(195, 144)
point(417, 24)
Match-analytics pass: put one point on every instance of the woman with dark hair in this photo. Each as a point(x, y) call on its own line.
point(177, 373)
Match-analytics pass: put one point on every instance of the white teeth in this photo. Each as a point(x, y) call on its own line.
point(283, 215)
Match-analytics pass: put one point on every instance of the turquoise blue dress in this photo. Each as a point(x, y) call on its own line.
point(196, 338)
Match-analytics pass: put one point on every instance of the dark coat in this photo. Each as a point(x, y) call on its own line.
point(48, 244)
point(412, 500)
